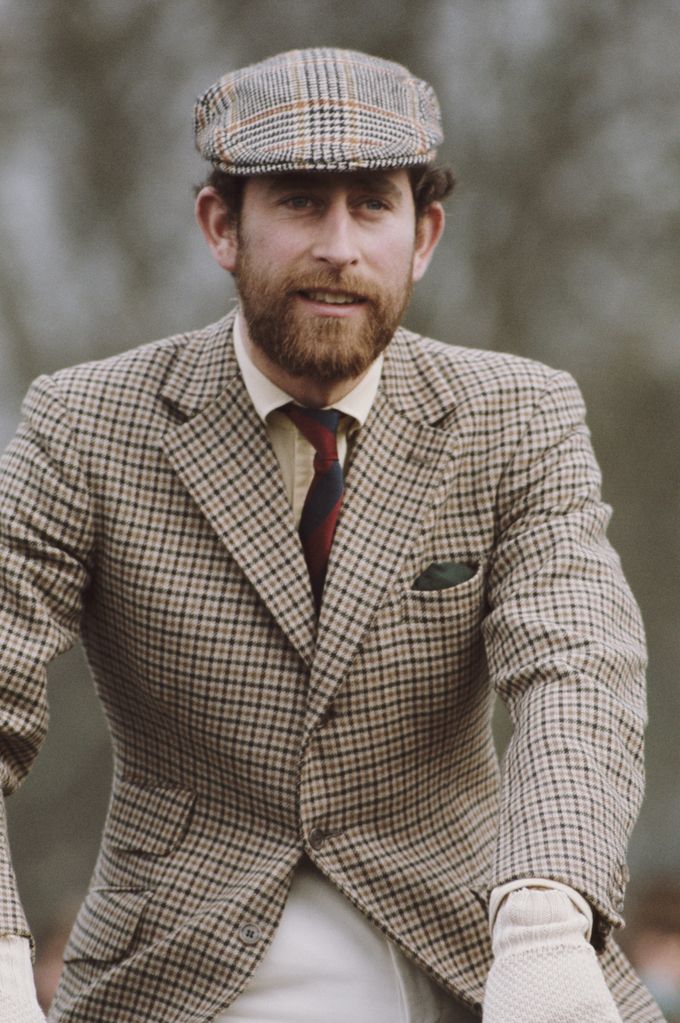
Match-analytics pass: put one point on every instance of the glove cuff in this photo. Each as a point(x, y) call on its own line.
point(535, 919)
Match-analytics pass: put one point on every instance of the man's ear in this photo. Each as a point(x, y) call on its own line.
point(429, 228)
point(218, 226)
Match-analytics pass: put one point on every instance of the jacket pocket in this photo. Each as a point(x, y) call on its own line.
point(106, 925)
point(464, 597)
point(151, 820)
point(444, 575)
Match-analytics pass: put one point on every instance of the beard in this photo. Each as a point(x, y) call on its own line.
point(325, 349)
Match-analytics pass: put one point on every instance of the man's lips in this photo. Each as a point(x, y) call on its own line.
point(331, 303)
point(326, 296)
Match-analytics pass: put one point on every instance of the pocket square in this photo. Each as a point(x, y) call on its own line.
point(441, 575)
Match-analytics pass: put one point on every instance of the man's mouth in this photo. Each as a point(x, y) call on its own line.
point(332, 297)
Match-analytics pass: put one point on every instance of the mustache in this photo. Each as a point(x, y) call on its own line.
point(329, 280)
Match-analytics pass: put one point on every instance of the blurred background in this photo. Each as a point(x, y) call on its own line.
point(563, 244)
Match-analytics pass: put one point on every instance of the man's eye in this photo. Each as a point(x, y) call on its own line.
point(298, 202)
point(375, 205)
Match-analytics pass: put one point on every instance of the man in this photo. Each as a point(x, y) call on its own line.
point(303, 547)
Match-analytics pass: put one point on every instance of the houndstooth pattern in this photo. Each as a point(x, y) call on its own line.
point(141, 507)
point(318, 109)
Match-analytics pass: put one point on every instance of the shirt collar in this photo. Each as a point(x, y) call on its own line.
point(266, 396)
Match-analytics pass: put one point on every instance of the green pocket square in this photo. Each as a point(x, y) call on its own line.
point(440, 575)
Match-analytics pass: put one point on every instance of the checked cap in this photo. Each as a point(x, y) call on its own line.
point(320, 109)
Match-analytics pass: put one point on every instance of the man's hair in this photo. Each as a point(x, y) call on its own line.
point(429, 183)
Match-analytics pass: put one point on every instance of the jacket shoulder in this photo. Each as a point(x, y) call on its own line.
point(139, 370)
point(128, 387)
point(473, 367)
point(447, 376)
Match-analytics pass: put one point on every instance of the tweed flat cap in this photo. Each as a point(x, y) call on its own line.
point(320, 109)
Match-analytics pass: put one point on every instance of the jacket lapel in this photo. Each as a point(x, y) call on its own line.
point(221, 453)
point(397, 475)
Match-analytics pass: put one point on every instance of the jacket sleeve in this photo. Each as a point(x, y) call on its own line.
point(566, 653)
point(45, 545)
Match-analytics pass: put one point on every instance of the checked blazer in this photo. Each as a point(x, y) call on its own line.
point(141, 508)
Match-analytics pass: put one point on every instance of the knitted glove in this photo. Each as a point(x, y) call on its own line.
point(18, 1001)
point(544, 969)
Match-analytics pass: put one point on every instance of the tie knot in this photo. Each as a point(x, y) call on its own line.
point(318, 426)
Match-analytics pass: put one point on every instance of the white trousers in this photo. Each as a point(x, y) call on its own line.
point(328, 964)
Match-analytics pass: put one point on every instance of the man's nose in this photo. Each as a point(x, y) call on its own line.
point(335, 240)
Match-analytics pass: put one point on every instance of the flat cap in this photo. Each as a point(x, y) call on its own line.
point(320, 109)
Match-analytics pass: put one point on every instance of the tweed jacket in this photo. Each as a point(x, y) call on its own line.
point(142, 509)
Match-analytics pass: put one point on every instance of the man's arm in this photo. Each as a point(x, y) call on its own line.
point(45, 539)
point(566, 653)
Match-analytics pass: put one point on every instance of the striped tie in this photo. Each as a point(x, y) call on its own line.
point(324, 497)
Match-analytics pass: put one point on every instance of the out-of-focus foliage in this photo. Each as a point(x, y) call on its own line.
point(563, 244)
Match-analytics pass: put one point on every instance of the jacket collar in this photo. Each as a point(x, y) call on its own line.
point(221, 453)
point(401, 469)
point(411, 381)
point(205, 365)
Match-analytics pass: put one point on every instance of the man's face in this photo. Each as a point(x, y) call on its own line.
point(324, 265)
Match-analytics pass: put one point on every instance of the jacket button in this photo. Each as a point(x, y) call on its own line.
point(250, 934)
point(317, 838)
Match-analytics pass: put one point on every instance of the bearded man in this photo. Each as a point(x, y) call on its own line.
point(304, 548)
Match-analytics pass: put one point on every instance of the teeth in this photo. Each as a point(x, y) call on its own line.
point(330, 297)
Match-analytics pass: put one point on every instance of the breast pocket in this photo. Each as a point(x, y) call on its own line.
point(428, 636)
point(443, 575)
point(451, 593)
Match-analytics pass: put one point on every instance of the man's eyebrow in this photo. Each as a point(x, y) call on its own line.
point(378, 183)
point(282, 182)
point(368, 181)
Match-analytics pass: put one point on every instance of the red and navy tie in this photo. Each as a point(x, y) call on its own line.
point(324, 497)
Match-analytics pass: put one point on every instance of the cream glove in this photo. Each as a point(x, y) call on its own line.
point(544, 969)
point(18, 1000)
